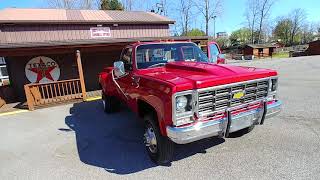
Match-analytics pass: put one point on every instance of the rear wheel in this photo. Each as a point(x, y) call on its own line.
point(109, 103)
point(159, 148)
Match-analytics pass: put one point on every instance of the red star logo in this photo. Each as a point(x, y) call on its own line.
point(43, 71)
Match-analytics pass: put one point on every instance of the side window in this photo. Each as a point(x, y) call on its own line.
point(126, 58)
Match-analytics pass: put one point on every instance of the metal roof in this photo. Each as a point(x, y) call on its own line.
point(17, 15)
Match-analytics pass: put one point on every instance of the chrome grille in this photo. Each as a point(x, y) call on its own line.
point(220, 98)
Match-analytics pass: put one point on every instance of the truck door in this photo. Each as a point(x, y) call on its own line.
point(214, 53)
point(125, 81)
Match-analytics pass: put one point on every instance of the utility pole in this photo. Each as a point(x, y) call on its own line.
point(214, 27)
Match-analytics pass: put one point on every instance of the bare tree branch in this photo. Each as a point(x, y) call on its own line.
point(209, 9)
point(251, 14)
point(298, 16)
point(73, 4)
point(185, 14)
point(264, 9)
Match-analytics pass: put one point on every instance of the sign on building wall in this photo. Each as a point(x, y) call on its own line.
point(100, 32)
point(42, 69)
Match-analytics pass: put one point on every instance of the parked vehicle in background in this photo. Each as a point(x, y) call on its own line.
point(183, 97)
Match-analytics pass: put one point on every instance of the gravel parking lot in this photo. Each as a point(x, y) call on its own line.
point(79, 141)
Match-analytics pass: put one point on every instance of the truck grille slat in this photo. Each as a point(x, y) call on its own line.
point(217, 99)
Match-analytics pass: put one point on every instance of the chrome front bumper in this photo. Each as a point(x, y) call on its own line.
point(220, 127)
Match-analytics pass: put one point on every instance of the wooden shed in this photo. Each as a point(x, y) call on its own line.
point(56, 54)
point(259, 50)
point(314, 48)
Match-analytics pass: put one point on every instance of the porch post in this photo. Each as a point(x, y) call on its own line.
point(29, 97)
point(83, 86)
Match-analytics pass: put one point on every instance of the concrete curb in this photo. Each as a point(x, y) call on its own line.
point(93, 98)
point(13, 112)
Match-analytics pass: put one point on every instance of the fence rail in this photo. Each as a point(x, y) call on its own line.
point(49, 93)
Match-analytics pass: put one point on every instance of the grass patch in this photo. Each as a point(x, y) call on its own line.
point(280, 55)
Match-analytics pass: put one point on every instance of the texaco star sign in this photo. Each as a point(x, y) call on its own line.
point(42, 70)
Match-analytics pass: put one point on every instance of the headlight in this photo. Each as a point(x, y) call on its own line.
point(274, 84)
point(272, 89)
point(183, 107)
point(183, 103)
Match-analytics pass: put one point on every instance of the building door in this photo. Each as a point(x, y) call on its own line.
point(271, 51)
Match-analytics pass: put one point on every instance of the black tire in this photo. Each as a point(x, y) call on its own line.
point(164, 148)
point(110, 104)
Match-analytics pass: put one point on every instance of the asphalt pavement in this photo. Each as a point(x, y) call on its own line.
point(79, 141)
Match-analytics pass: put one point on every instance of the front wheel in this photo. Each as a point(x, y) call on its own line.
point(159, 148)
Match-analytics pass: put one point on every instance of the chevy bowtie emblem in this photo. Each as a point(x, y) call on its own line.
point(238, 95)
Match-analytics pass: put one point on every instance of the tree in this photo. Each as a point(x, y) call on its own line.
point(111, 5)
point(72, 4)
point(128, 4)
point(282, 30)
point(257, 13)
point(64, 4)
point(240, 36)
point(264, 9)
point(87, 4)
point(293, 29)
point(194, 32)
point(297, 17)
point(210, 9)
point(185, 14)
point(223, 42)
point(308, 33)
point(251, 14)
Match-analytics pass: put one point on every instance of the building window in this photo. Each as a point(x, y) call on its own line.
point(4, 76)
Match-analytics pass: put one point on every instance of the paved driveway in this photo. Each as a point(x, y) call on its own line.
point(79, 141)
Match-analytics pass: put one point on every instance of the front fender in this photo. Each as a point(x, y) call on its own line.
point(158, 95)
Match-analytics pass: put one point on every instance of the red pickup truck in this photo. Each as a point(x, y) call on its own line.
point(182, 96)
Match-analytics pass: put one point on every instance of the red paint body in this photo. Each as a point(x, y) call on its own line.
point(157, 85)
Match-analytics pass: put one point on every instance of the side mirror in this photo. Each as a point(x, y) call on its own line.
point(118, 68)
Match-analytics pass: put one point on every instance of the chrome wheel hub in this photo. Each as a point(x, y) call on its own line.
point(150, 139)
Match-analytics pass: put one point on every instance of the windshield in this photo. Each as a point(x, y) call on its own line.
point(154, 55)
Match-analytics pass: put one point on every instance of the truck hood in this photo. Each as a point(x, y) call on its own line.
point(196, 75)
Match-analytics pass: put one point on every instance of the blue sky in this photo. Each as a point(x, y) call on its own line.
point(231, 18)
